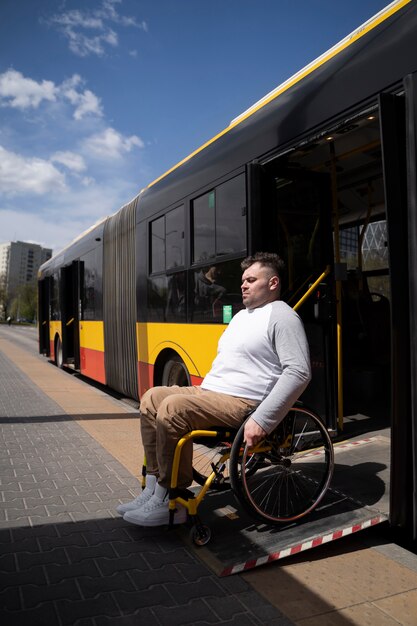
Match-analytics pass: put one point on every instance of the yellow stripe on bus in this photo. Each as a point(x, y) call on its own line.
point(199, 340)
point(92, 335)
point(54, 328)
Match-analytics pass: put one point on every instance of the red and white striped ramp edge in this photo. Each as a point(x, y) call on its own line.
point(306, 545)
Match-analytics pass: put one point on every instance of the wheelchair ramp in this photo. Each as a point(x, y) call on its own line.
point(357, 499)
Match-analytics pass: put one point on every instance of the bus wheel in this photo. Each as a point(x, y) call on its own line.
point(175, 373)
point(59, 359)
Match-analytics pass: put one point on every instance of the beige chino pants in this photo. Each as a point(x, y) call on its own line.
point(168, 413)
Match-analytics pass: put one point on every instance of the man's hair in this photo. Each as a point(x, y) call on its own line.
point(266, 259)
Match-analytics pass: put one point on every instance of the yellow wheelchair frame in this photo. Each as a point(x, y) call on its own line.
point(279, 480)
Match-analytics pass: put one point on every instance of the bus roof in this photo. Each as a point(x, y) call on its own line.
point(359, 32)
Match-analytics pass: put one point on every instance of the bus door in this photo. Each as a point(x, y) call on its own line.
point(399, 137)
point(70, 312)
point(44, 316)
point(290, 214)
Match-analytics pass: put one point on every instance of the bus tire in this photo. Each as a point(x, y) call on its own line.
point(175, 372)
point(59, 359)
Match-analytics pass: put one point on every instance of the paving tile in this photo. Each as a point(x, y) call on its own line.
point(401, 607)
point(15, 523)
point(122, 548)
point(26, 544)
point(44, 615)
point(69, 612)
point(91, 587)
point(46, 530)
point(143, 580)
point(143, 616)
point(192, 613)
point(10, 599)
point(120, 564)
point(76, 554)
point(57, 573)
point(34, 595)
point(156, 560)
point(154, 596)
point(28, 559)
point(206, 587)
point(61, 518)
point(364, 614)
point(225, 608)
point(74, 539)
point(114, 535)
point(5, 536)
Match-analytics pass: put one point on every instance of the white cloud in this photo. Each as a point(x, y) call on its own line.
point(72, 161)
point(110, 144)
point(60, 217)
point(40, 228)
point(21, 175)
point(89, 32)
point(85, 102)
point(23, 93)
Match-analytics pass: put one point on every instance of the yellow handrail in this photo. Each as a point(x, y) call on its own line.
point(312, 288)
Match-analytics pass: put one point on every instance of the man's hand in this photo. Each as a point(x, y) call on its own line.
point(253, 433)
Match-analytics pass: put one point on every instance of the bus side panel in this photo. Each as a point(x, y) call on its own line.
point(183, 339)
point(92, 364)
point(54, 330)
point(145, 377)
point(92, 350)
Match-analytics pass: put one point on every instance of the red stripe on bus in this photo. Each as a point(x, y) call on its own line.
point(92, 364)
point(145, 377)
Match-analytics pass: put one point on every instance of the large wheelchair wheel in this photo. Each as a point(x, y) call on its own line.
point(211, 455)
point(284, 477)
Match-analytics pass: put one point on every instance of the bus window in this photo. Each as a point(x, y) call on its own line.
point(54, 295)
point(215, 292)
point(91, 285)
point(231, 216)
point(174, 238)
point(167, 298)
point(204, 227)
point(157, 241)
point(219, 221)
point(167, 241)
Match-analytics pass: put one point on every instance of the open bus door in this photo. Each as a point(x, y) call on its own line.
point(399, 136)
point(289, 214)
point(70, 314)
point(44, 316)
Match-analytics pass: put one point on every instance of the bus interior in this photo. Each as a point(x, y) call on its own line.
point(326, 207)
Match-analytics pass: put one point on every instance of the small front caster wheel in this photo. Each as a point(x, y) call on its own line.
point(200, 534)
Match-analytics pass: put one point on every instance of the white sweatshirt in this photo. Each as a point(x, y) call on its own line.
point(263, 355)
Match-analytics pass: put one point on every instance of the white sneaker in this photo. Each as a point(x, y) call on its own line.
point(141, 499)
point(155, 512)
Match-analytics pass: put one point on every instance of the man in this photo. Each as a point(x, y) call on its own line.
point(262, 363)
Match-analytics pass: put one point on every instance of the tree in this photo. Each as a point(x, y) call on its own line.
point(3, 298)
point(24, 302)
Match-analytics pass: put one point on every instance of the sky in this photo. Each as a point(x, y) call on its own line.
point(100, 97)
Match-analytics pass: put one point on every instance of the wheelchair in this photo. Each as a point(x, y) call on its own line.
point(280, 480)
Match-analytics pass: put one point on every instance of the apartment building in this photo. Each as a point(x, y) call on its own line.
point(19, 263)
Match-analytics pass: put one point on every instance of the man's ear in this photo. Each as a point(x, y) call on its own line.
point(274, 283)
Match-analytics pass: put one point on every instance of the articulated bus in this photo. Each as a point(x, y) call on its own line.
point(321, 170)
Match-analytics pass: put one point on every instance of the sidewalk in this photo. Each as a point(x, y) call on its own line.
point(69, 455)
point(66, 556)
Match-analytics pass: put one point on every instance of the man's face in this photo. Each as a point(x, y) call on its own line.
point(259, 286)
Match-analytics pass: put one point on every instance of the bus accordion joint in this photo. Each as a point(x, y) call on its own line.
point(311, 288)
